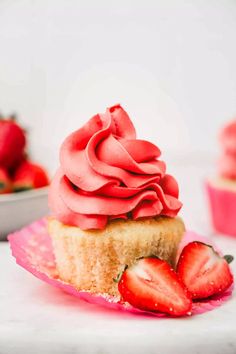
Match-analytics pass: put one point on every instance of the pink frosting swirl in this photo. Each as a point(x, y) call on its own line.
point(227, 161)
point(106, 173)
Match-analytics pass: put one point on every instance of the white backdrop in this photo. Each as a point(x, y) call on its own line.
point(171, 64)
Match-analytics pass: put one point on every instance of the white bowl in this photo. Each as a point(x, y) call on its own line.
point(19, 209)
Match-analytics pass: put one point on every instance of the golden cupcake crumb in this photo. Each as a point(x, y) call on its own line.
point(89, 260)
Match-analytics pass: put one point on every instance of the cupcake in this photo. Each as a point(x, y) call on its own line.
point(222, 189)
point(112, 202)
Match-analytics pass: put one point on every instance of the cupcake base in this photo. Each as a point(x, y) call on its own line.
point(90, 260)
point(222, 200)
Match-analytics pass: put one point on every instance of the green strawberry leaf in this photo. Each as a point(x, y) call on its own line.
point(229, 258)
point(118, 278)
point(2, 185)
point(22, 189)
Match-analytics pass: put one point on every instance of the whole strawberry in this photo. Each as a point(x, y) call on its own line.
point(29, 176)
point(12, 143)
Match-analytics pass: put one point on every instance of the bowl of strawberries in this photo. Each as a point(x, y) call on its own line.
point(23, 183)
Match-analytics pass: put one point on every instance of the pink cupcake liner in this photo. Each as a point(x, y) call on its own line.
point(222, 205)
point(33, 251)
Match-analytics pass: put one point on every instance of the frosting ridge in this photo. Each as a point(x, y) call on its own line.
point(107, 173)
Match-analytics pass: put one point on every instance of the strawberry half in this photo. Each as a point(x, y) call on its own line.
point(29, 176)
point(151, 284)
point(5, 182)
point(203, 270)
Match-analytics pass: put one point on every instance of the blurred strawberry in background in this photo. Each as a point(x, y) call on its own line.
point(12, 142)
point(17, 173)
point(28, 176)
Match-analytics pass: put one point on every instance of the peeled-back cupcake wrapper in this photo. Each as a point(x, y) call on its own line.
point(32, 250)
point(222, 205)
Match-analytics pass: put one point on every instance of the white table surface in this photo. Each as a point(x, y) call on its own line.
point(36, 318)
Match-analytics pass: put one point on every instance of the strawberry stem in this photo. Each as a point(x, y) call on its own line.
point(229, 258)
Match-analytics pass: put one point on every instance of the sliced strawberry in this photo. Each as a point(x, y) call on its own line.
point(5, 182)
point(203, 270)
point(29, 176)
point(151, 284)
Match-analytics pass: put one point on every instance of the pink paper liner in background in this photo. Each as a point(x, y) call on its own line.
point(32, 250)
point(222, 204)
